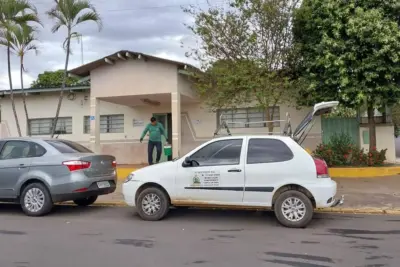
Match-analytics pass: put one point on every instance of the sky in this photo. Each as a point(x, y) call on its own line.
point(151, 27)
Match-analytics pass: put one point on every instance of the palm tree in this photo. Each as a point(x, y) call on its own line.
point(14, 14)
point(69, 14)
point(23, 42)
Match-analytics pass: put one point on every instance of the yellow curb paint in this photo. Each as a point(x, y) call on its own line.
point(122, 172)
point(370, 172)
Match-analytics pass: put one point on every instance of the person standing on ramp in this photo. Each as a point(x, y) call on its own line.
point(156, 130)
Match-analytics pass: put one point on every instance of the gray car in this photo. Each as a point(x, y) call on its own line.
point(39, 172)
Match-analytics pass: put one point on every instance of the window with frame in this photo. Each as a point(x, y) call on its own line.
point(108, 124)
point(250, 116)
point(224, 152)
point(265, 150)
point(43, 126)
point(21, 149)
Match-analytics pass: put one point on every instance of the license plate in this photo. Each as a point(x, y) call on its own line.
point(104, 184)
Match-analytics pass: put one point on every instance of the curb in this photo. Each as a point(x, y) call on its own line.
point(351, 173)
point(325, 210)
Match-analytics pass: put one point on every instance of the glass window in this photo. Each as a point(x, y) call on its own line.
point(224, 152)
point(250, 116)
point(65, 147)
point(267, 150)
point(43, 126)
point(36, 150)
point(15, 150)
point(108, 124)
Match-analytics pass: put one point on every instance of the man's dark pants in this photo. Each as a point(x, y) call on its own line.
point(150, 149)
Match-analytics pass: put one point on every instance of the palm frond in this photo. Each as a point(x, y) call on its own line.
point(90, 16)
point(60, 19)
point(73, 12)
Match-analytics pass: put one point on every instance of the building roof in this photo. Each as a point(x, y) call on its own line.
point(84, 70)
point(45, 89)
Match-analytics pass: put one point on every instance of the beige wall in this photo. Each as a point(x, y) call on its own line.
point(384, 139)
point(134, 77)
point(198, 123)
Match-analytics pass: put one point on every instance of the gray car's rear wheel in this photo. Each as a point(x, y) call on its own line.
point(36, 200)
point(293, 209)
point(83, 202)
point(152, 204)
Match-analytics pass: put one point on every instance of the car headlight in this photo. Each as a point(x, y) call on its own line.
point(129, 178)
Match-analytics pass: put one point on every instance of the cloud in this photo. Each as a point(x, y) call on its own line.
point(150, 27)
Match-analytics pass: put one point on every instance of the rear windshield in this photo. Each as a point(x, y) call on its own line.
point(68, 147)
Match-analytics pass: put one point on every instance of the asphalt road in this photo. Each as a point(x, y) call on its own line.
point(98, 236)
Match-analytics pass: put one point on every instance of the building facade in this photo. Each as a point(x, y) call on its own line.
point(127, 89)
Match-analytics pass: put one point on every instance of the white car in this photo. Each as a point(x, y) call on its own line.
point(246, 172)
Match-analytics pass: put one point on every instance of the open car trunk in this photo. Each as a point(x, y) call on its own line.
point(303, 129)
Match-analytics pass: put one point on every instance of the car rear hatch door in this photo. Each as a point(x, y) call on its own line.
point(100, 165)
point(301, 132)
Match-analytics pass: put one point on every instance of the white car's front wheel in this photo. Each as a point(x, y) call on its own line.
point(152, 204)
point(293, 209)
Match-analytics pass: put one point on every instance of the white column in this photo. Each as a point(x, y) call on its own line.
point(176, 123)
point(95, 124)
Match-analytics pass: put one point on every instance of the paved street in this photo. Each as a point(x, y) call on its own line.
point(101, 236)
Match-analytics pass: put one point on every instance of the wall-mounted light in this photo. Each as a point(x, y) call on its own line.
point(150, 102)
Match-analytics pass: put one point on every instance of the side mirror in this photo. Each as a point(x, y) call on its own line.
point(187, 162)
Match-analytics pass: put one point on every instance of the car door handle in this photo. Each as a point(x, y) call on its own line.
point(234, 170)
point(21, 166)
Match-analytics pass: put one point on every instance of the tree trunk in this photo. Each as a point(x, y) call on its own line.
point(53, 128)
point(11, 90)
point(24, 97)
point(372, 128)
point(269, 116)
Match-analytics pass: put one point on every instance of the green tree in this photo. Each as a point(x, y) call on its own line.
point(244, 53)
point(350, 52)
point(69, 14)
point(13, 15)
point(24, 41)
point(51, 79)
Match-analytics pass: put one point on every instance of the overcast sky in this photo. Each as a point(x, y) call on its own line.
point(152, 27)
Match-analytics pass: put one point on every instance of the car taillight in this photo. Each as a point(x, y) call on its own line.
point(322, 168)
point(75, 165)
point(114, 164)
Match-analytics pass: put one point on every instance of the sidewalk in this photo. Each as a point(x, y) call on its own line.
point(359, 193)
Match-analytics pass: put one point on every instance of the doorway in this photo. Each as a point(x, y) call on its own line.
point(166, 120)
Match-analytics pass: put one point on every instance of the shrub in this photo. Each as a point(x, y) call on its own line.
point(340, 151)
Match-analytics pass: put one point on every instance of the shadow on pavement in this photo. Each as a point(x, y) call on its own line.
point(15, 209)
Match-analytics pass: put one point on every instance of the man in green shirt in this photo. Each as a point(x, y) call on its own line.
point(156, 130)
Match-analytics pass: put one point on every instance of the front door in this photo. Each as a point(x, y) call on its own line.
point(14, 163)
point(163, 119)
point(217, 175)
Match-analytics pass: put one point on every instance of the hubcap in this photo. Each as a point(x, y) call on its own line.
point(293, 209)
point(151, 204)
point(34, 200)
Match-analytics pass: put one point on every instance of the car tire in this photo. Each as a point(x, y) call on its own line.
point(293, 209)
point(87, 201)
point(36, 200)
point(157, 207)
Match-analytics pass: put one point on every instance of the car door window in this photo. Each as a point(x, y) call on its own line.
point(267, 151)
point(15, 150)
point(35, 150)
point(224, 152)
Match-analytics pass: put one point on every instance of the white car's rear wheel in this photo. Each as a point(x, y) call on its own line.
point(152, 204)
point(293, 209)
